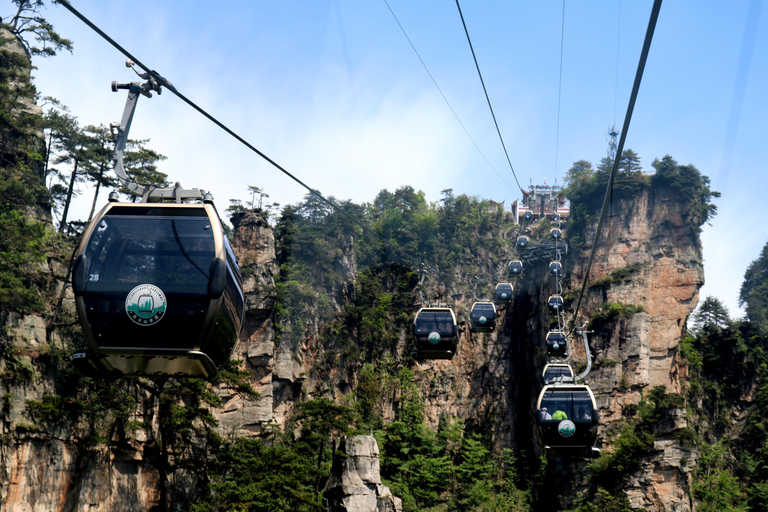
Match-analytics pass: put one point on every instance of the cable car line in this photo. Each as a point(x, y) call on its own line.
point(443, 95)
point(466, 31)
point(616, 78)
point(627, 118)
point(559, 90)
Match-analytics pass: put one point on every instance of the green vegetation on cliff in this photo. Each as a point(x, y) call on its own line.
point(585, 187)
point(22, 244)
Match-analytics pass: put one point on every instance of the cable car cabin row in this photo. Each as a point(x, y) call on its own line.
point(567, 421)
point(483, 317)
point(504, 293)
point(158, 291)
point(516, 267)
point(557, 372)
point(435, 333)
point(557, 344)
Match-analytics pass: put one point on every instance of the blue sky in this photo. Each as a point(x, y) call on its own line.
point(332, 91)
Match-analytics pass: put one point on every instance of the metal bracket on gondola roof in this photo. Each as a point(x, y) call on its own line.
point(120, 133)
point(421, 284)
point(582, 331)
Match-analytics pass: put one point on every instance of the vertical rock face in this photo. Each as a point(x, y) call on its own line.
point(649, 251)
point(254, 245)
point(355, 482)
point(652, 255)
point(648, 256)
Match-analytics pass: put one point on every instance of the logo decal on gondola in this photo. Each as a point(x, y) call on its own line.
point(503, 295)
point(145, 304)
point(483, 319)
point(434, 338)
point(566, 428)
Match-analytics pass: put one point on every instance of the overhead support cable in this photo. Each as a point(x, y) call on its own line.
point(443, 95)
point(488, 99)
point(616, 78)
point(559, 90)
point(625, 128)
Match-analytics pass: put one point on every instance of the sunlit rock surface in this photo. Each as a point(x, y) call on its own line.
point(355, 482)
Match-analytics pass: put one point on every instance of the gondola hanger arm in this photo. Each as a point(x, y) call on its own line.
point(120, 133)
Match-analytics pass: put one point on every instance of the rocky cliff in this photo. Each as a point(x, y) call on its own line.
point(649, 256)
point(648, 252)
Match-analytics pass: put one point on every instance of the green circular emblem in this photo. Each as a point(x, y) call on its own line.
point(566, 428)
point(434, 338)
point(145, 304)
point(483, 319)
point(503, 295)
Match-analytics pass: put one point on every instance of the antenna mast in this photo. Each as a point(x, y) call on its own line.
point(611, 135)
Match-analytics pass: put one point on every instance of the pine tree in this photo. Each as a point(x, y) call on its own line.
point(27, 23)
point(754, 290)
point(712, 312)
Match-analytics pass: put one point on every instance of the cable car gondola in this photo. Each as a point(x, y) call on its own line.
point(516, 267)
point(522, 241)
point(567, 420)
point(504, 293)
point(483, 317)
point(158, 291)
point(556, 234)
point(556, 268)
point(435, 332)
point(557, 345)
point(555, 303)
point(557, 372)
point(528, 216)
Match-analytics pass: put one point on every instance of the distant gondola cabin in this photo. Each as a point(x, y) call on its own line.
point(556, 268)
point(483, 317)
point(555, 303)
point(435, 333)
point(504, 292)
point(556, 234)
point(557, 344)
point(516, 267)
point(522, 241)
point(557, 372)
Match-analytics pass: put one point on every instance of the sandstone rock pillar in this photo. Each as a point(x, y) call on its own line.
point(355, 482)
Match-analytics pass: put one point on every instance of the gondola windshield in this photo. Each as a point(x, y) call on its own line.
point(162, 251)
point(435, 321)
point(560, 404)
